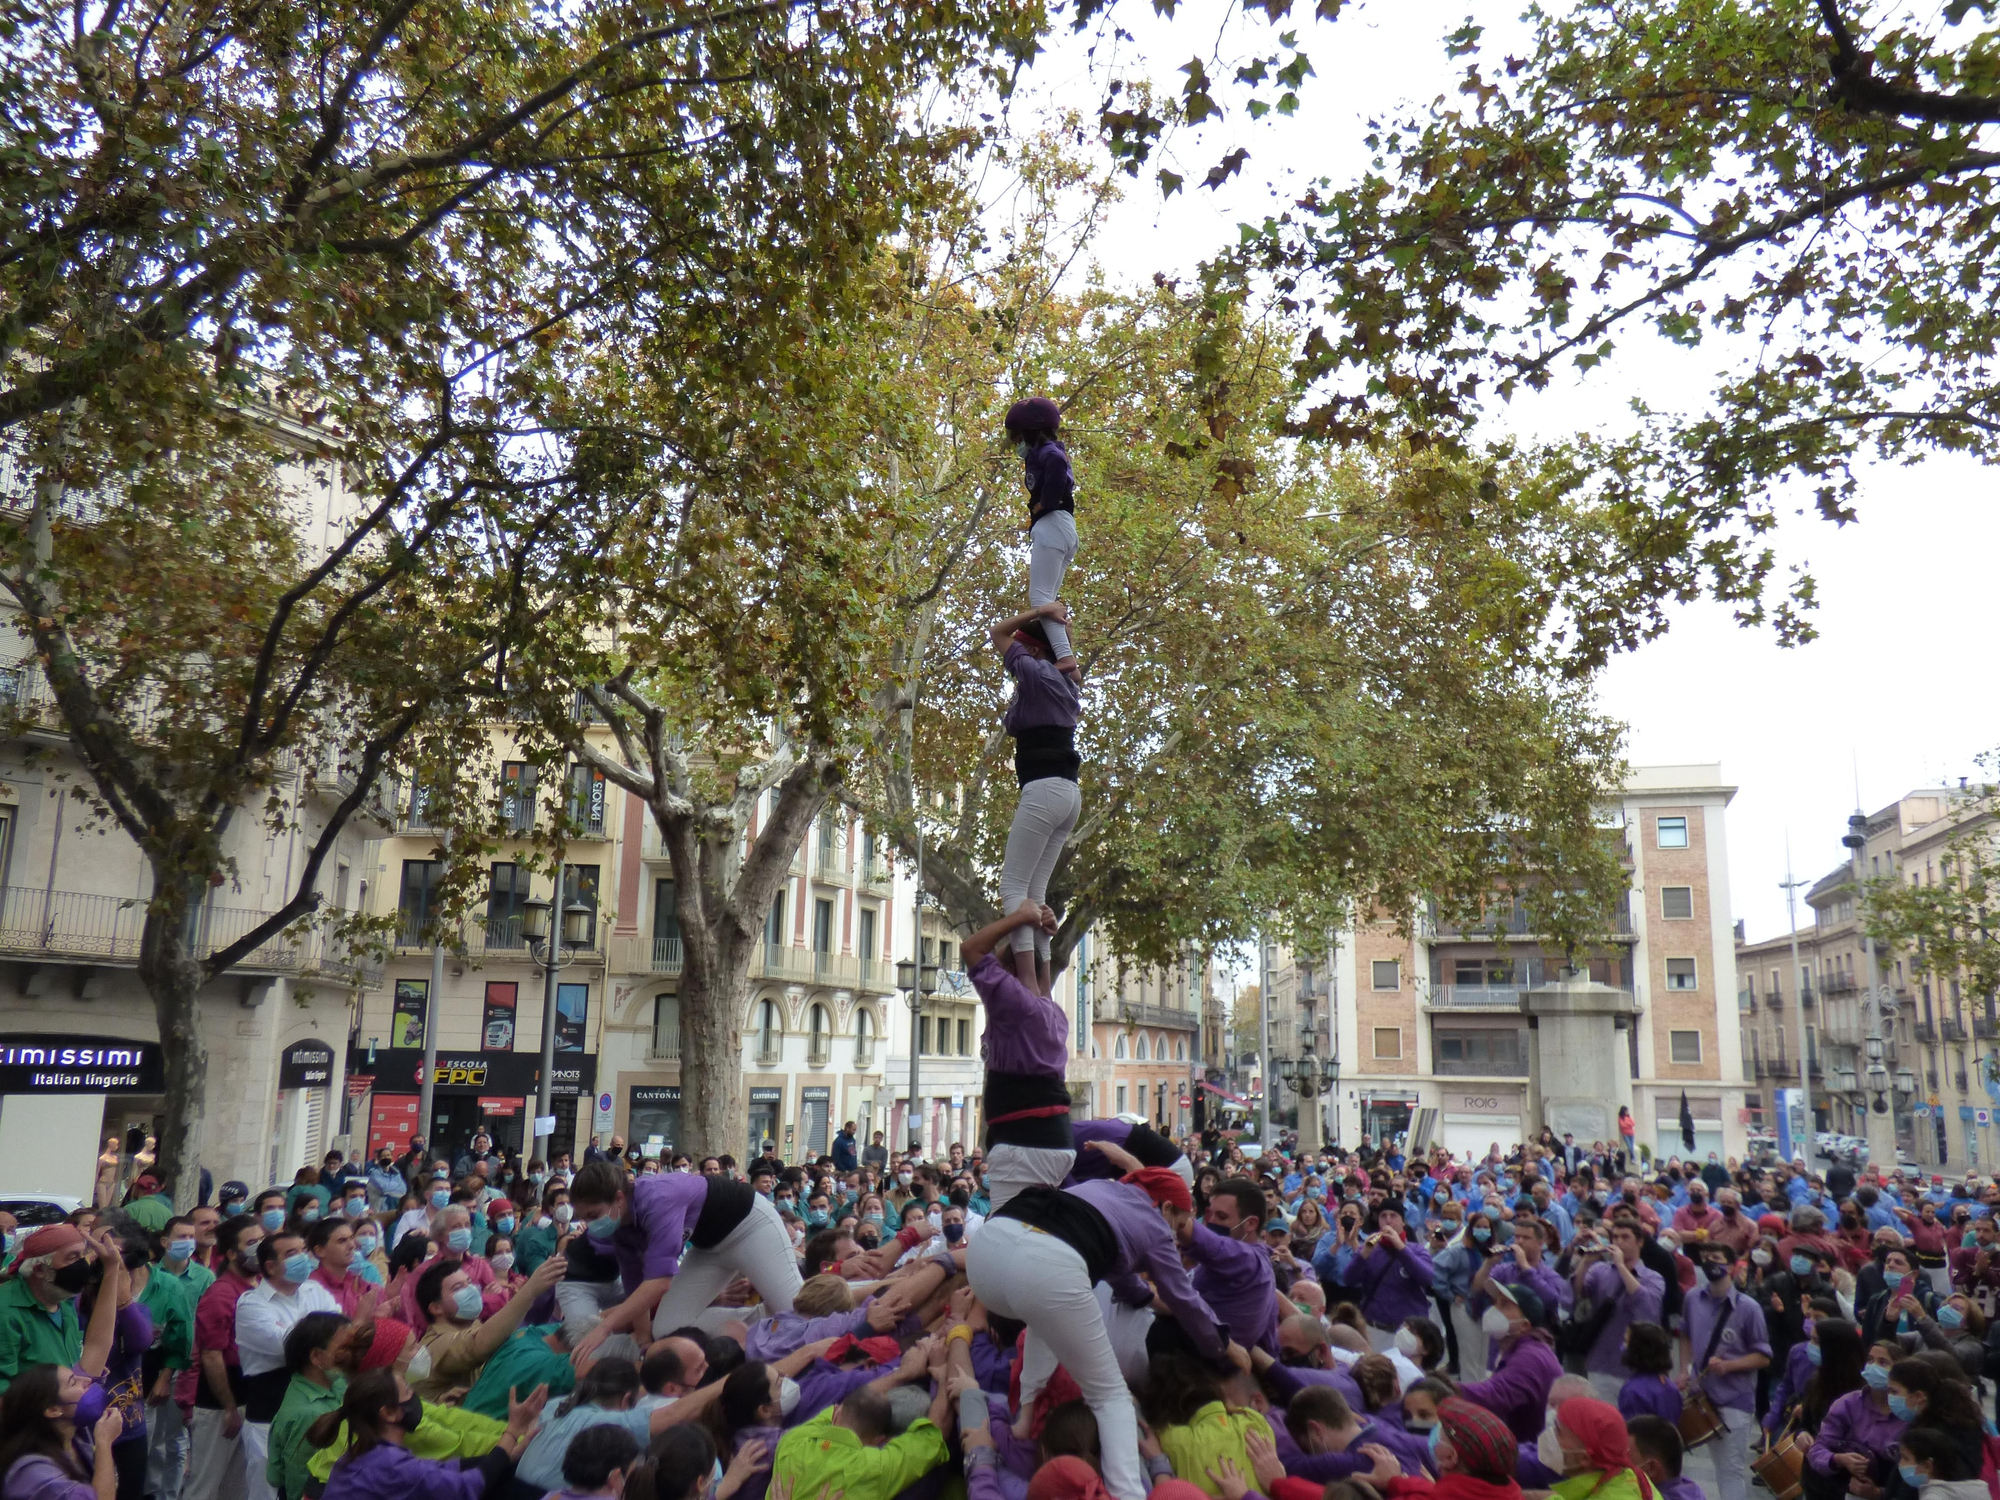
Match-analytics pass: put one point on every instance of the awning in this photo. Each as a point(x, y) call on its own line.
point(1225, 1094)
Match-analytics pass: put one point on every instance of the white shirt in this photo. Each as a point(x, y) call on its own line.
point(416, 1218)
point(1408, 1371)
point(264, 1315)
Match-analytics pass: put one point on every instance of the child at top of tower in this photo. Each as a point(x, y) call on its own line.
point(1032, 427)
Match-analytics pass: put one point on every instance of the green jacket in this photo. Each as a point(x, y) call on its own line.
point(1212, 1434)
point(818, 1457)
point(30, 1336)
point(304, 1404)
point(522, 1363)
point(445, 1432)
point(532, 1246)
point(170, 1299)
point(153, 1211)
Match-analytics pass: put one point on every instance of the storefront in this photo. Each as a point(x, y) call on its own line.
point(1669, 1141)
point(814, 1105)
point(653, 1118)
point(766, 1104)
point(1473, 1117)
point(61, 1095)
point(1385, 1113)
point(492, 1091)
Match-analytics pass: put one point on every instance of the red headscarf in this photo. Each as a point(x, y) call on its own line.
point(1597, 1425)
point(1162, 1185)
point(883, 1349)
point(390, 1336)
point(1070, 1478)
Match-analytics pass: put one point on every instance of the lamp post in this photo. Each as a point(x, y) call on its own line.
point(1313, 1077)
point(917, 981)
point(554, 952)
point(1881, 1126)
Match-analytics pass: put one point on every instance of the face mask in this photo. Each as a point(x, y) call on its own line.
point(953, 1233)
point(1729, 1210)
point(1893, 1280)
point(1760, 1257)
point(1911, 1476)
point(1899, 1408)
point(1548, 1448)
point(1407, 1343)
point(501, 1263)
point(1482, 1235)
point(1415, 1426)
point(178, 1249)
point(413, 1409)
point(367, 1271)
point(231, 1209)
point(1814, 1354)
point(504, 1224)
point(420, 1365)
point(816, 1217)
point(72, 1278)
point(1715, 1270)
point(458, 1241)
point(366, 1245)
point(788, 1395)
point(1494, 1324)
point(564, 1213)
point(903, 1178)
point(1802, 1265)
point(440, 1198)
point(867, 1239)
point(1437, 1431)
point(1949, 1316)
point(1877, 1377)
point(602, 1229)
point(273, 1219)
point(308, 1212)
point(298, 1267)
point(465, 1302)
point(90, 1406)
point(356, 1207)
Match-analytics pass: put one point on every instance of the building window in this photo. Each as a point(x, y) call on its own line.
point(819, 1046)
point(586, 799)
point(580, 884)
point(417, 906)
point(1684, 1046)
point(1389, 1041)
point(822, 927)
point(1141, 1052)
point(1120, 1050)
point(1680, 974)
point(506, 894)
point(1676, 902)
point(770, 1032)
point(774, 924)
point(667, 1026)
point(666, 925)
point(923, 1036)
point(864, 943)
point(1388, 974)
point(517, 796)
point(1671, 833)
point(965, 1039)
point(1180, 1049)
point(1121, 1098)
point(864, 1039)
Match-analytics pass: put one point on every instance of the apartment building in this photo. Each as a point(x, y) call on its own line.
point(1934, 1031)
point(79, 1042)
point(814, 1027)
point(1136, 1036)
point(1445, 1017)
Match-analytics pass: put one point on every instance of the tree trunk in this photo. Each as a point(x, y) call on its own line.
point(173, 975)
point(715, 989)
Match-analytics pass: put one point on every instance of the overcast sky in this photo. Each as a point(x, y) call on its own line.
point(1899, 688)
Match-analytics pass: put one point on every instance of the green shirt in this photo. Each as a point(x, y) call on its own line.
point(817, 1456)
point(310, 1190)
point(522, 1363)
point(170, 1300)
point(304, 1404)
point(532, 1246)
point(197, 1278)
point(153, 1211)
point(29, 1335)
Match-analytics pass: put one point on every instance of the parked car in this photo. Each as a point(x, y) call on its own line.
point(33, 1210)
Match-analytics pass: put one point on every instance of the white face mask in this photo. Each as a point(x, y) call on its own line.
point(420, 1365)
point(1547, 1447)
point(501, 1263)
point(1408, 1344)
point(1494, 1324)
point(788, 1395)
point(563, 1212)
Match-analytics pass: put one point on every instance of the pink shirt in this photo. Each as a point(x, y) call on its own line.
point(477, 1270)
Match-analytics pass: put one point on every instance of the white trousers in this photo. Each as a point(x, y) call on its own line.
point(1024, 1274)
point(257, 1454)
point(757, 1248)
point(1731, 1450)
point(583, 1304)
point(166, 1450)
point(216, 1470)
point(1053, 546)
point(1127, 1328)
point(1471, 1343)
point(1042, 822)
point(1009, 1168)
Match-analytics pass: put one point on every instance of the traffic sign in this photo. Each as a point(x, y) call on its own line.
point(1983, 1117)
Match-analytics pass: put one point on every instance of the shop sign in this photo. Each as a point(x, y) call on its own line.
point(649, 1093)
point(306, 1065)
point(57, 1063)
point(359, 1084)
point(400, 1070)
point(818, 1096)
point(767, 1096)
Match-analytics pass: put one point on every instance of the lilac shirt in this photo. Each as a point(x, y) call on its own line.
point(1146, 1247)
point(1025, 1032)
point(1742, 1333)
point(1236, 1280)
point(1852, 1425)
point(1394, 1286)
point(774, 1338)
point(665, 1206)
point(387, 1472)
point(1517, 1392)
point(1649, 1396)
point(1607, 1355)
point(1043, 697)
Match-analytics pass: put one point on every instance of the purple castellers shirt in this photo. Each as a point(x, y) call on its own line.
point(1607, 1355)
point(1743, 1333)
point(1395, 1286)
point(1146, 1247)
point(1025, 1032)
point(664, 1209)
point(1236, 1280)
point(1043, 697)
point(1649, 1396)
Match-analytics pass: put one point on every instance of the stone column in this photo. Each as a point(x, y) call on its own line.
point(1579, 1071)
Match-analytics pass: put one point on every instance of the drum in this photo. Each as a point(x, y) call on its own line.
point(1782, 1469)
point(1701, 1420)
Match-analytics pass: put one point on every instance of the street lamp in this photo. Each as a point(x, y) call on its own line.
point(553, 957)
point(918, 982)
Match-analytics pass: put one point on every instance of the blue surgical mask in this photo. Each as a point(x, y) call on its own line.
point(308, 1212)
point(299, 1266)
point(232, 1208)
point(1899, 1408)
point(273, 1219)
point(1949, 1316)
point(440, 1197)
point(1814, 1354)
point(180, 1249)
point(504, 1224)
point(1435, 1434)
point(466, 1302)
point(1482, 1235)
point(1911, 1476)
point(602, 1229)
point(367, 1244)
point(1802, 1265)
point(1876, 1376)
point(356, 1207)
point(458, 1241)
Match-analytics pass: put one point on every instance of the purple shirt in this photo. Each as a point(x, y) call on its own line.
point(1394, 1286)
point(387, 1472)
point(1650, 1396)
point(1051, 483)
point(1025, 1032)
point(1146, 1247)
point(774, 1338)
point(1517, 1392)
point(39, 1478)
point(1090, 1164)
point(1607, 1355)
point(822, 1385)
point(1289, 1380)
point(1791, 1386)
point(1682, 1488)
point(1235, 1279)
point(665, 1207)
point(1043, 697)
point(1742, 1333)
point(1852, 1425)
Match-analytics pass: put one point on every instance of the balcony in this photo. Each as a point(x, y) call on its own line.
point(1516, 922)
point(660, 955)
point(25, 688)
point(1807, 995)
point(1131, 1013)
point(1746, 1000)
point(787, 964)
point(875, 871)
point(500, 939)
point(770, 1046)
point(1775, 1000)
point(1924, 1032)
point(1455, 1068)
point(1984, 1027)
point(1953, 1030)
point(1837, 983)
point(1958, 1080)
point(819, 1049)
point(1477, 996)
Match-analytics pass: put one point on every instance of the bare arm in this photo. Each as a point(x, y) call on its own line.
point(104, 1313)
point(984, 941)
point(1000, 632)
point(1117, 1155)
point(497, 1329)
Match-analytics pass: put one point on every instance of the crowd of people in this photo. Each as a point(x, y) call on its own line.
point(1176, 1316)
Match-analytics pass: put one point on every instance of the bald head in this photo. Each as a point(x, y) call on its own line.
point(1310, 1295)
point(1302, 1340)
point(1567, 1386)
